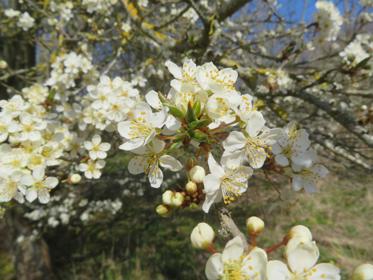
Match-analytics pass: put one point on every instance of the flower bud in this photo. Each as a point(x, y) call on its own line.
point(167, 197)
point(254, 225)
point(177, 199)
point(162, 210)
point(191, 187)
point(75, 178)
point(197, 174)
point(300, 231)
point(363, 272)
point(3, 64)
point(202, 236)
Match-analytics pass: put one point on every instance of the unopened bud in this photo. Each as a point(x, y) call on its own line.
point(3, 64)
point(162, 210)
point(363, 272)
point(197, 174)
point(202, 236)
point(301, 232)
point(254, 225)
point(75, 178)
point(167, 197)
point(177, 199)
point(191, 187)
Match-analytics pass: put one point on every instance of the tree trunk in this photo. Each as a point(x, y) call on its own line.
point(31, 254)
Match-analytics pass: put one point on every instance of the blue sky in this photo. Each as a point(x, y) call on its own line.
point(306, 8)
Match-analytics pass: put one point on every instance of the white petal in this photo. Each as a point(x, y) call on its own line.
point(325, 271)
point(214, 267)
point(172, 123)
point(282, 160)
point(277, 270)
point(133, 144)
point(96, 139)
point(211, 199)
point(232, 159)
point(255, 264)
point(301, 254)
point(170, 163)
point(255, 123)
point(38, 173)
point(174, 69)
point(51, 182)
point(156, 146)
point(153, 100)
point(43, 196)
point(155, 177)
point(88, 145)
point(158, 119)
point(105, 147)
point(256, 157)
point(27, 180)
point(214, 167)
point(124, 129)
point(31, 195)
point(235, 141)
point(211, 183)
point(137, 165)
point(233, 249)
point(270, 136)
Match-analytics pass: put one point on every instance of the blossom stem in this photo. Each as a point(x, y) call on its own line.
point(278, 245)
point(211, 249)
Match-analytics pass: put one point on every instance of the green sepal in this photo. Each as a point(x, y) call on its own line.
point(190, 115)
point(177, 113)
point(197, 108)
point(199, 135)
point(199, 123)
point(175, 146)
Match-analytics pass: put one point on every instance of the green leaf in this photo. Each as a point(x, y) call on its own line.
point(175, 146)
point(197, 108)
point(175, 111)
point(199, 123)
point(190, 116)
point(199, 135)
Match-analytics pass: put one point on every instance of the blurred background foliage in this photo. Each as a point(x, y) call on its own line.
point(138, 244)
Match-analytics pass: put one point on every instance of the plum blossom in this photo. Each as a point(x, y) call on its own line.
point(225, 182)
point(96, 148)
point(253, 146)
point(140, 129)
point(235, 263)
point(290, 145)
point(92, 169)
point(39, 186)
point(302, 255)
point(148, 159)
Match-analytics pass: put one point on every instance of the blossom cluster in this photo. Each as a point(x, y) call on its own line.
point(329, 21)
point(24, 20)
point(31, 141)
point(240, 260)
point(67, 68)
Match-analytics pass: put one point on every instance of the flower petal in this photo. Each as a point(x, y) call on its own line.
point(235, 141)
point(137, 165)
point(170, 163)
point(214, 267)
point(255, 123)
point(301, 254)
point(325, 271)
point(233, 249)
point(214, 167)
point(277, 270)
